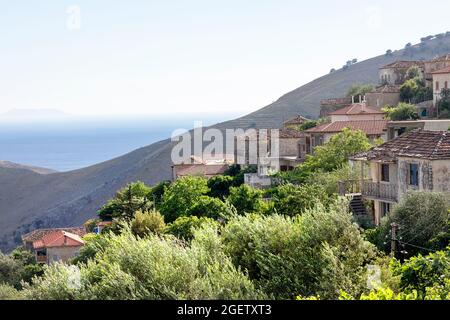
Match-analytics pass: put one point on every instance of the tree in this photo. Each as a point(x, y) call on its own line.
point(246, 199)
point(403, 111)
point(413, 72)
point(209, 207)
point(157, 192)
point(220, 186)
point(129, 200)
point(359, 90)
point(422, 217)
point(291, 200)
point(184, 227)
point(145, 223)
point(182, 196)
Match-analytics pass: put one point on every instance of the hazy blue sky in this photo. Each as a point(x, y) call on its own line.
point(190, 56)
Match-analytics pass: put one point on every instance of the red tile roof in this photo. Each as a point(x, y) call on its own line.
point(290, 133)
point(356, 108)
point(402, 64)
point(40, 233)
point(58, 238)
point(442, 71)
point(432, 145)
point(370, 127)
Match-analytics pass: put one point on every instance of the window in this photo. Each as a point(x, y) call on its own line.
point(385, 172)
point(385, 208)
point(437, 85)
point(414, 174)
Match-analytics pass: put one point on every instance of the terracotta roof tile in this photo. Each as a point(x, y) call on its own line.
point(58, 238)
point(356, 108)
point(432, 145)
point(403, 64)
point(40, 233)
point(370, 127)
point(442, 71)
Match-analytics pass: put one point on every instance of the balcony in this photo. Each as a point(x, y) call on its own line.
point(380, 191)
point(374, 190)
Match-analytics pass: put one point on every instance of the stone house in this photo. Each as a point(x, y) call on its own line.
point(292, 151)
point(441, 81)
point(374, 129)
point(54, 245)
point(397, 128)
point(436, 64)
point(396, 72)
point(418, 160)
point(356, 112)
point(382, 96)
point(206, 168)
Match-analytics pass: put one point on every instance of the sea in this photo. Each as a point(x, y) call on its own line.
point(70, 143)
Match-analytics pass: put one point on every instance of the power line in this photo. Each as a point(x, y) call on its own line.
point(418, 247)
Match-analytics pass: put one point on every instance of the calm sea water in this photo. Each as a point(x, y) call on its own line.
point(71, 144)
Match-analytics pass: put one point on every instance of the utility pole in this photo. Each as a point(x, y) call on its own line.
point(394, 229)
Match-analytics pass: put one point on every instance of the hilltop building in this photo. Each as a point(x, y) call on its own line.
point(204, 167)
point(295, 122)
point(441, 80)
point(396, 72)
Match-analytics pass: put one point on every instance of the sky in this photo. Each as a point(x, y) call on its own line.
point(97, 57)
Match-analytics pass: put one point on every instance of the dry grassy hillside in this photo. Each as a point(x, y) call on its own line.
point(30, 200)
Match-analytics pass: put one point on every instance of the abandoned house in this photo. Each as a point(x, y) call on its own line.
point(417, 160)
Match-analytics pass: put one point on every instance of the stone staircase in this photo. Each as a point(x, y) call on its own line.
point(357, 205)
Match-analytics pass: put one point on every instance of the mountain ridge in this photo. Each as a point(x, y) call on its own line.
point(29, 200)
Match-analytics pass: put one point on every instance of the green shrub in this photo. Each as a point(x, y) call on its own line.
point(183, 228)
point(152, 268)
point(145, 223)
point(319, 253)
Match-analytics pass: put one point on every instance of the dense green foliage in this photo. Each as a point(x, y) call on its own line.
point(184, 227)
point(18, 267)
point(402, 112)
point(423, 220)
point(145, 223)
point(150, 268)
point(132, 198)
point(360, 90)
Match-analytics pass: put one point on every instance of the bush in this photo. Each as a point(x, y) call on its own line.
point(184, 227)
point(404, 111)
point(145, 223)
point(246, 199)
point(319, 253)
point(153, 268)
point(292, 200)
point(209, 207)
point(422, 217)
point(8, 292)
point(220, 186)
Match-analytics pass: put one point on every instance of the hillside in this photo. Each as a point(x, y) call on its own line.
point(29, 199)
point(11, 165)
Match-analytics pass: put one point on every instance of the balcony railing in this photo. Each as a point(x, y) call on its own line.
point(380, 191)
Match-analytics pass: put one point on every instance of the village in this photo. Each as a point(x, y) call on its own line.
point(410, 153)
